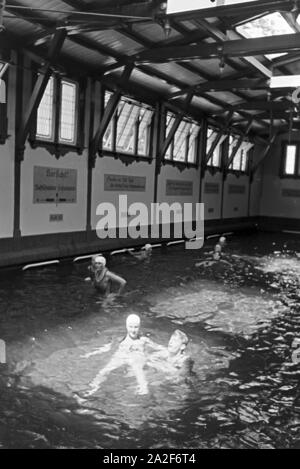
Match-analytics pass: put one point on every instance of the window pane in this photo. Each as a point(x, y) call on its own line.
point(180, 141)
point(45, 120)
point(107, 138)
point(170, 118)
point(215, 159)
point(67, 124)
point(236, 163)
point(266, 26)
point(126, 128)
point(144, 131)
point(193, 140)
point(290, 159)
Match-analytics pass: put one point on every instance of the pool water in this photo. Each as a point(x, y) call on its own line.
point(242, 320)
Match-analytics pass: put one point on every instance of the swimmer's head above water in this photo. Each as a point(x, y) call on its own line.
point(222, 241)
point(178, 342)
point(148, 247)
point(218, 248)
point(99, 262)
point(133, 324)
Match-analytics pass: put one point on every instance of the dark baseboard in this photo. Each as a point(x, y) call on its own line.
point(20, 251)
point(279, 224)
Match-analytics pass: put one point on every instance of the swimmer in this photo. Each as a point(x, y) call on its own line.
point(131, 353)
point(143, 254)
point(102, 278)
point(173, 360)
point(222, 242)
point(216, 258)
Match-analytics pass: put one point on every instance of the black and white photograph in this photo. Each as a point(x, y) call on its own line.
point(149, 227)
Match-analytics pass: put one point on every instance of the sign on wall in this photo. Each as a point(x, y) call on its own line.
point(182, 188)
point(211, 188)
point(120, 183)
point(290, 192)
point(236, 189)
point(52, 185)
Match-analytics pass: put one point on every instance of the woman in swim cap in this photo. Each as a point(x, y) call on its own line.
point(102, 278)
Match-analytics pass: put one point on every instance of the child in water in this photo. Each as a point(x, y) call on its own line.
point(102, 278)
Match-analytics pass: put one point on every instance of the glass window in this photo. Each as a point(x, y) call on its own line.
point(193, 143)
point(290, 160)
point(215, 159)
point(107, 138)
point(45, 113)
point(145, 121)
point(267, 25)
point(129, 130)
point(180, 141)
point(67, 123)
point(66, 111)
point(169, 123)
point(127, 127)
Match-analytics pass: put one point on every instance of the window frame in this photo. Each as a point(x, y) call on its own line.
point(116, 152)
point(210, 167)
point(239, 171)
point(3, 107)
point(169, 155)
point(55, 145)
point(284, 146)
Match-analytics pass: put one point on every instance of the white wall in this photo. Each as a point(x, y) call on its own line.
point(236, 204)
point(7, 163)
point(274, 203)
point(211, 199)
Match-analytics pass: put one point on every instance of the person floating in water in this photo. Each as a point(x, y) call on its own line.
point(173, 360)
point(137, 351)
point(143, 254)
point(132, 353)
point(216, 257)
point(102, 278)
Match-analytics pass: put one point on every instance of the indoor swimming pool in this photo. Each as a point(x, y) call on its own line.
point(242, 319)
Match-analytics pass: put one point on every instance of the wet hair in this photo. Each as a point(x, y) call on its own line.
point(181, 335)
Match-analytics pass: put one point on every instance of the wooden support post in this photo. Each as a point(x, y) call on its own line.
point(218, 138)
point(109, 112)
point(157, 136)
point(265, 154)
point(239, 143)
point(174, 127)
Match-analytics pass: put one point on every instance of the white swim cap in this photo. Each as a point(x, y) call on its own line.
point(147, 247)
point(222, 239)
point(100, 260)
point(133, 319)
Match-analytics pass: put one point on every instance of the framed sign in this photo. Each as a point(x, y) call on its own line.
point(52, 185)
